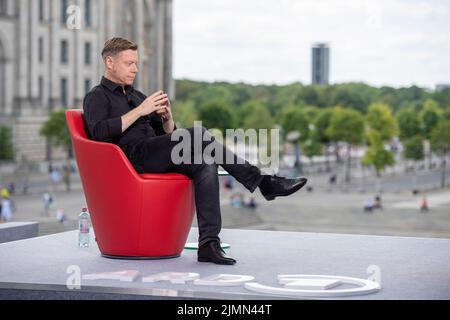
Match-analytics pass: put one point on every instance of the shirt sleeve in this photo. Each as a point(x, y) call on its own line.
point(96, 108)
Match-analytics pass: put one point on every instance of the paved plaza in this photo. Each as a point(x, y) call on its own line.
point(324, 209)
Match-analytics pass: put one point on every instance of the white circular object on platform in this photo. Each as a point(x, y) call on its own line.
point(363, 286)
point(194, 245)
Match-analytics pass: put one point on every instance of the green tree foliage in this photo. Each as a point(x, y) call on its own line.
point(346, 125)
point(376, 154)
point(352, 95)
point(57, 131)
point(217, 115)
point(321, 124)
point(440, 138)
point(440, 143)
point(408, 123)
point(446, 114)
point(184, 114)
point(430, 116)
point(413, 148)
point(295, 119)
point(311, 147)
point(6, 146)
point(55, 128)
point(379, 117)
point(442, 97)
point(257, 117)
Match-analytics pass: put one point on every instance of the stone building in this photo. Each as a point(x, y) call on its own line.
point(50, 57)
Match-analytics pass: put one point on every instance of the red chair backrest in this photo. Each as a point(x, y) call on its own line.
point(107, 176)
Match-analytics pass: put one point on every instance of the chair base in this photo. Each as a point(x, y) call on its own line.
point(109, 256)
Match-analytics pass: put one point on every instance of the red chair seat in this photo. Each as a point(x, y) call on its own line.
point(133, 215)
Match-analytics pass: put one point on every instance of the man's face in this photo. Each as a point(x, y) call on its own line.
point(123, 67)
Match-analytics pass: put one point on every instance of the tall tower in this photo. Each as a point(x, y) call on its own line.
point(320, 63)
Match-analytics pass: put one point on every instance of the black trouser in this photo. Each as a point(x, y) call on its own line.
point(153, 155)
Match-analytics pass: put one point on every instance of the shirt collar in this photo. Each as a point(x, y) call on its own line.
point(112, 85)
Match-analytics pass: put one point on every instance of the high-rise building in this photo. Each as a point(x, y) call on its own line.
point(47, 62)
point(320, 63)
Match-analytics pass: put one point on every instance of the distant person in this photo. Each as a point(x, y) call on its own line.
point(12, 188)
point(228, 183)
point(333, 178)
point(4, 193)
point(60, 215)
point(55, 178)
point(237, 199)
point(47, 200)
point(377, 204)
point(6, 211)
point(25, 186)
point(424, 204)
point(368, 205)
point(252, 203)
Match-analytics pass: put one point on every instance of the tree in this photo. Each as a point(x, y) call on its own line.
point(351, 95)
point(294, 119)
point(414, 148)
point(295, 124)
point(446, 114)
point(376, 154)
point(213, 92)
point(184, 114)
point(408, 123)
point(413, 151)
point(348, 126)
point(440, 143)
point(56, 130)
point(311, 148)
point(215, 114)
point(258, 118)
point(379, 117)
point(6, 146)
point(321, 125)
point(429, 117)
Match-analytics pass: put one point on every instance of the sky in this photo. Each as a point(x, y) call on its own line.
point(380, 42)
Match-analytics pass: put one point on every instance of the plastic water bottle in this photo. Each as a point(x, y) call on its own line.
point(83, 227)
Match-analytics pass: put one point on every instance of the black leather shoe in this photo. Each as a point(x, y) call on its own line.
point(275, 186)
point(212, 252)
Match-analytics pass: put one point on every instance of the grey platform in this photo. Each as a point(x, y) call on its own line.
point(411, 268)
point(12, 231)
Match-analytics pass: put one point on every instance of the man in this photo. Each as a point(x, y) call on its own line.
point(142, 127)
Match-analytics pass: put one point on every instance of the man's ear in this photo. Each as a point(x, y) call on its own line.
point(109, 61)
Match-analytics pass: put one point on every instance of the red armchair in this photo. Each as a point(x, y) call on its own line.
point(134, 216)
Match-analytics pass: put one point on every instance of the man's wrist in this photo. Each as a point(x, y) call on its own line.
point(138, 111)
point(169, 125)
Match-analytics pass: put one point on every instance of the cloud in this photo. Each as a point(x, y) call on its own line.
point(267, 41)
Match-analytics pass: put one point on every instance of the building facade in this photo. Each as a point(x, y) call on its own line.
point(50, 57)
point(320, 64)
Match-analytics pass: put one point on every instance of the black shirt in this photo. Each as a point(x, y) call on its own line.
point(103, 108)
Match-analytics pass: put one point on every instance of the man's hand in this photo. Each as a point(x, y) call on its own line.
point(154, 103)
point(157, 102)
point(166, 113)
